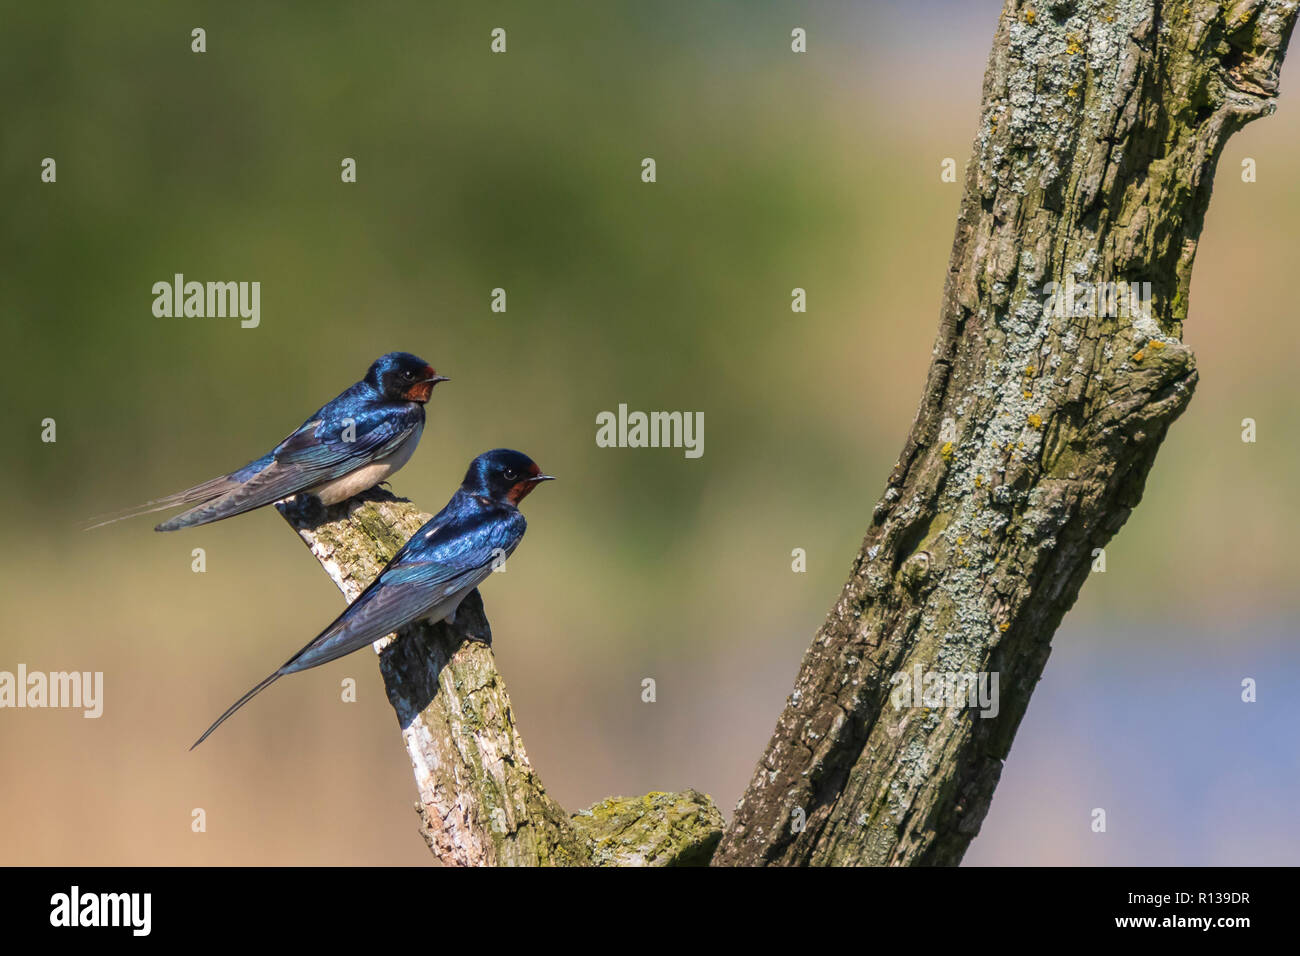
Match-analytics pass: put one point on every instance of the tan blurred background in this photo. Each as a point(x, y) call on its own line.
point(522, 171)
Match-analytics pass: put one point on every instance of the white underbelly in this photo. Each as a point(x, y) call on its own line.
point(367, 476)
point(447, 609)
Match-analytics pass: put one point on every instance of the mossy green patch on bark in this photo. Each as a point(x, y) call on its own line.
point(657, 829)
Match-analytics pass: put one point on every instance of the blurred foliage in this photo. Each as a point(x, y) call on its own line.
point(523, 171)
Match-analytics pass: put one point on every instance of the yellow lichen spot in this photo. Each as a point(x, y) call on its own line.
point(1072, 92)
point(984, 533)
point(1036, 420)
point(979, 481)
point(946, 450)
point(1031, 370)
point(1004, 627)
point(1138, 356)
point(1072, 45)
point(1030, 16)
point(1020, 444)
point(1156, 345)
point(961, 541)
point(1028, 394)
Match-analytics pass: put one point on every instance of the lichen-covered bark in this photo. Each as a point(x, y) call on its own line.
point(659, 829)
point(1101, 125)
point(480, 801)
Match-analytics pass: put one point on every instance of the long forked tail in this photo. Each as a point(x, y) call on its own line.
point(204, 494)
point(241, 499)
point(198, 495)
point(238, 704)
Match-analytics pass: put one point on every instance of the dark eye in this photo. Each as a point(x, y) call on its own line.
point(408, 375)
point(510, 474)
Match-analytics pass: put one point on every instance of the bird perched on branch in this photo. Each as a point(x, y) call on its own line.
point(351, 443)
point(433, 572)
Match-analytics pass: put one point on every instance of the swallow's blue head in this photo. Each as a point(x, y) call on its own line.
point(503, 475)
point(403, 377)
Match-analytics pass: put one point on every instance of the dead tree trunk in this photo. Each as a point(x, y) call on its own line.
point(1101, 125)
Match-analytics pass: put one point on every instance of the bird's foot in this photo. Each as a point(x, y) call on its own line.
point(306, 509)
point(467, 635)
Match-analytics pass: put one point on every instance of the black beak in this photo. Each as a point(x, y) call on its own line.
point(542, 478)
point(435, 380)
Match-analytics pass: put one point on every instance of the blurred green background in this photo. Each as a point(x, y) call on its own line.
point(522, 171)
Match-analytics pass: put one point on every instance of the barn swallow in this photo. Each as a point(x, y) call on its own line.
point(351, 443)
point(442, 562)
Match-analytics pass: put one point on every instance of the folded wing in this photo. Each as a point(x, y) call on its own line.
point(439, 563)
point(319, 451)
point(451, 554)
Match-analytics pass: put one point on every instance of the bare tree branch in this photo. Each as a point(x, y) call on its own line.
point(480, 801)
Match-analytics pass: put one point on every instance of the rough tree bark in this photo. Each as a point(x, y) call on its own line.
point(1101, 125)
